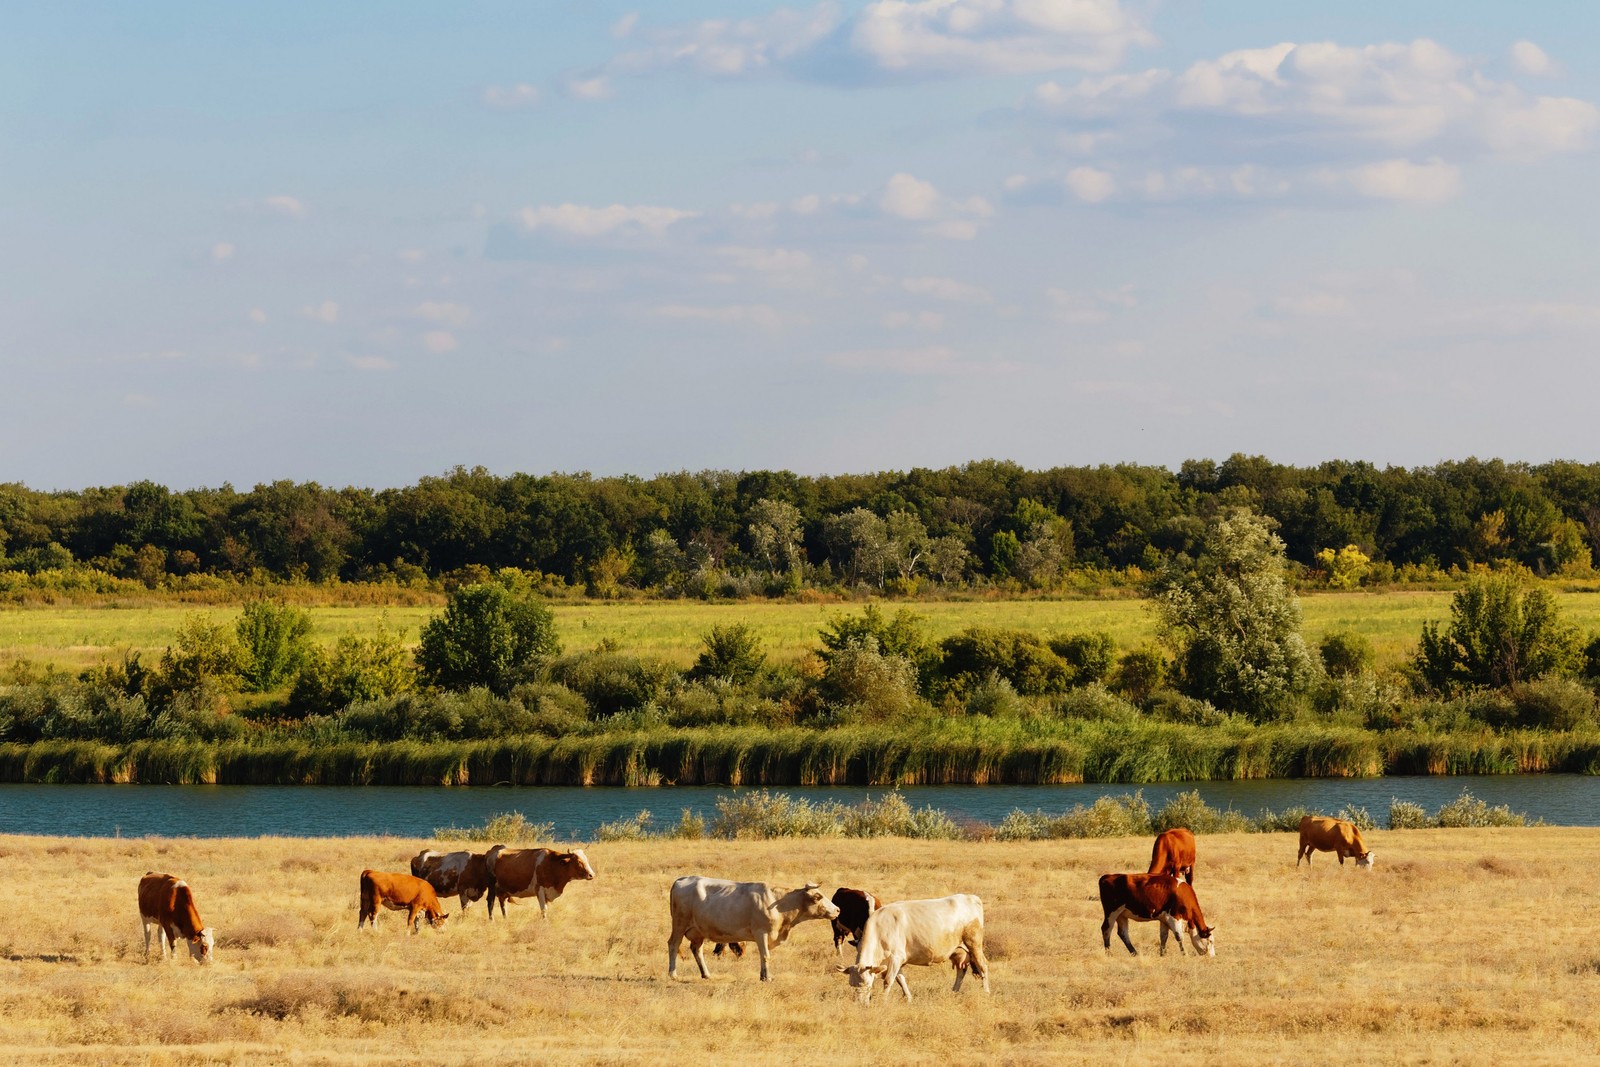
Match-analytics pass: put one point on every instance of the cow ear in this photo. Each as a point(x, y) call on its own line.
point(844, 970)
point(813, 885)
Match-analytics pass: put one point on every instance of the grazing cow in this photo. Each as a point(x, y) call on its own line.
point(399, 892)
point(714, 909)
point(854, 906)
point(1318, 833)
point(166, 904)
point(1154, 898)
point(464, 875)
point(920, 932)
point(541, 873)
point(1174, 854)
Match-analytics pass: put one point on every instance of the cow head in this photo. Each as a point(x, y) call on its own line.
point(436, 920)
point(1204, 939)
point(815, 905)
point(578, 865)
point(201, 946)
point(1365, 859)
point(861, 979)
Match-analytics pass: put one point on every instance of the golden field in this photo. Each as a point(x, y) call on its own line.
point(1461, 946)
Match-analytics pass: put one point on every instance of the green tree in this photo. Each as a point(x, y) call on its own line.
point(203, 652)
point(1233, 621)
point(774, 532)
point(274, 641)
point(732, 653)
point(486, 637)
point(1500, 634)
point(356, 668)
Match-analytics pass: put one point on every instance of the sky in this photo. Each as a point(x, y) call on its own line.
point(363, 243)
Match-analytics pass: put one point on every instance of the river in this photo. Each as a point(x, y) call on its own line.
point(322, 811)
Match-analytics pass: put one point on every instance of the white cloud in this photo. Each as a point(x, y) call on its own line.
point(579, 220)
point(443, 312)
point(768, 260)
point(946, 289)
point(1095, 97)
point(625, 26)
point(907, 197)
point(287, 206)
point(440, 341)
point(221, 252)
point(1529, 58)
point(929, 321)
point(508, 97)
point(1401, 179)
point(761, 315)
point(370, 363)
point(1088, 308)
point(1090, 184)
point(598, 88)
point(327, 311)
point(257, 316)
point(410, 255)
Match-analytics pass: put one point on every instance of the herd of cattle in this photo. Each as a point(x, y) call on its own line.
point(887, 937)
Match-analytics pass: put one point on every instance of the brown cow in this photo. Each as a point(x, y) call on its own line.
point(1174, 854)
point(1154, 898)
point(399, 892)
point(1318, 833)
point(541, 873)
point(167, 904)
point(463, 875)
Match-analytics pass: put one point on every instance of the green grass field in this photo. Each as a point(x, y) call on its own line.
point(73, 637)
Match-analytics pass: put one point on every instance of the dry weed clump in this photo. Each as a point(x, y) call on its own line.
point(1326, 964)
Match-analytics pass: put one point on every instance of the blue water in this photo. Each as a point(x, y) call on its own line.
point(326, 811)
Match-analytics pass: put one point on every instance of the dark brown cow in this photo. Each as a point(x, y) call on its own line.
point(167, 905)
point(1154, 898)
point(1174, 854)
point(463, 875)
point(399, 892)
point(541, 873)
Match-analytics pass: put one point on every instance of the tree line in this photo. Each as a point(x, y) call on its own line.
point(722, 533)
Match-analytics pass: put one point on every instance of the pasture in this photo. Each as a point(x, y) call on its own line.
point(1462, 946)
point(74, 636)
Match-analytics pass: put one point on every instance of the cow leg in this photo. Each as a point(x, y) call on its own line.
point(1303, 854)
point(413, 918)
point(169, 945)
point(1105, 932)
point(146, 924)
point(695, 944)
point(674, 942)
point(895, 975)
point(1122, 932)
point(544, 904)
point(1188, 876)
point(978, 961)
point(766, 950)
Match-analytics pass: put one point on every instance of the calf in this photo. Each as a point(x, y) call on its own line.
point(1174, 854)
point(1154, 898)
point(166, 904)
point(1318, 833)
point(464, 875)
point(715, 909)
point(399, 892)
point(541, 873)
point(920, 932)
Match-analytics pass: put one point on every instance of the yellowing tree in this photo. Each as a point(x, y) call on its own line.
point(1345, 567)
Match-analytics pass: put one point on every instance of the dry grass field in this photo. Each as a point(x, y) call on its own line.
point(1462, 946)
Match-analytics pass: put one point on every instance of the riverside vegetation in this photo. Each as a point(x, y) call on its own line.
point(1231, 689)
point(1314, 965)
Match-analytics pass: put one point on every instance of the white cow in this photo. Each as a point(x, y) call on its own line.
point(921, 932)
point(715, 909)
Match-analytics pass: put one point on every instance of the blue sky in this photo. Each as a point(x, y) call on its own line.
point(362, 243)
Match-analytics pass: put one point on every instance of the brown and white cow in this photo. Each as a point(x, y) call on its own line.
point(463, 875)
point(166, 904)
point(1154, 898)
point(919, 932)
point(1174, 854)
point(541, 873)
point(399, 892)
point(1318, 833)
point(715, 909)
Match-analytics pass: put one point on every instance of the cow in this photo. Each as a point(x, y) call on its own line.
point(1318, 833)
point(166, 905)
point(464, 875)
point(399, 892)
point(715, 909)
point(541, 873)
point(1154, 898)
point(1174, 854)
point(854, 906)
point(920, 932)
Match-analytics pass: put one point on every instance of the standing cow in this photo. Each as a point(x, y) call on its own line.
point(464, 875)
point(166, 905)
point(1174, 854)
point(854, 905)
point(715, 909)
point(541, 873)
point(1154, 898)
point(1318, 833)
point(919, 932)
point(398, 892)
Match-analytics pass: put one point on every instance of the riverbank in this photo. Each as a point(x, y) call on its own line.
point(1312, 965)
point(944, 752)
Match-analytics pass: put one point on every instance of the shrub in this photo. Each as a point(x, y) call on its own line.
point(1140, 672)
point(1169, 705)
point(1468, 811)
point(862, 682)
point(760, 815)
point(995, 698)
point(1554, 704)
point(507, 827)
point(1123, 816)
point(356, 668)
point(202, 651)
point(611, 682)
point(732, 653)
point(1360, 818)
point(1404, 815)
point(970, 658)
point(893, 816)
point(1089, 656)
point(1346, 653)
point(1499, 635)
point(274, 642)
point(487, 636)
point(1190, 810)
point(636, 828)
point(1094, 703)
point(1285, 821)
